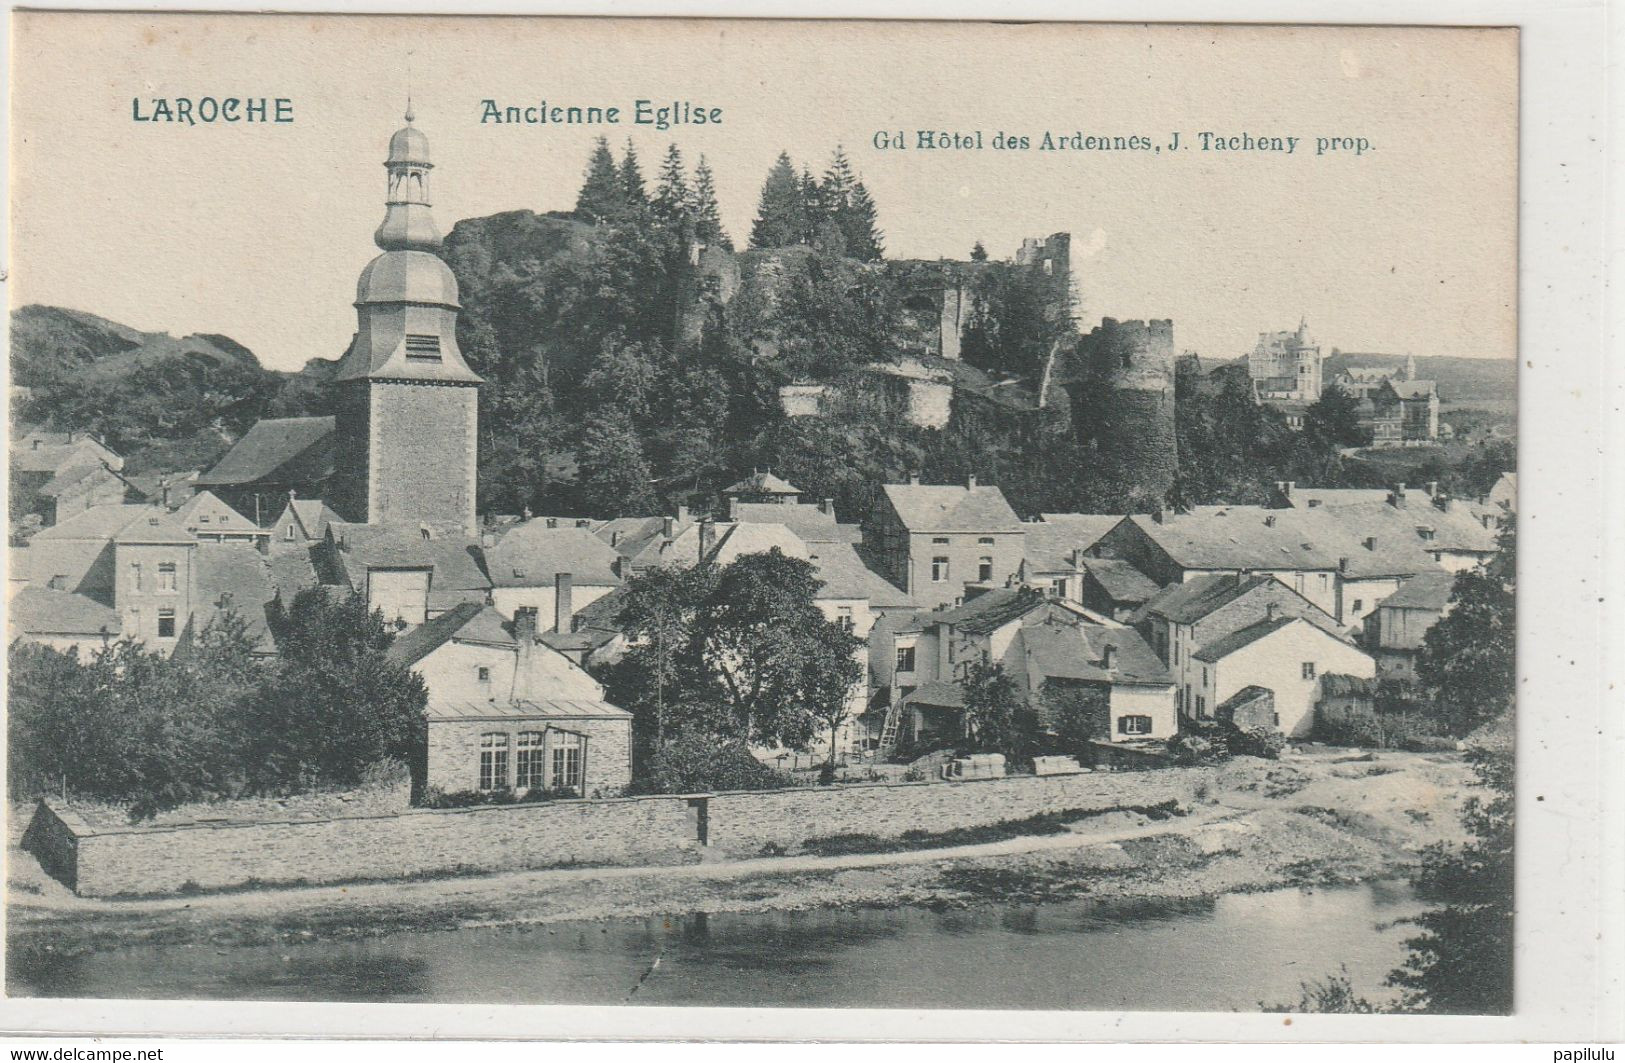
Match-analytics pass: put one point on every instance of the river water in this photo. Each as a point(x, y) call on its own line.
point(1227, 953)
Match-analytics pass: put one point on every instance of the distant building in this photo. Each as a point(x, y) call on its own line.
point(1395, 628)
point(1504, 492)
point(1286, 366)
point(59, 474)
point(212, 521)
point(934, 539)
point(1054, 547)
point(410, 575)
point(553, 571)
point(276, 457)
point(1403, 413)
point(762, 486)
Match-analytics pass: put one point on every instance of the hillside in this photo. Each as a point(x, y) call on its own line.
point(165, 403)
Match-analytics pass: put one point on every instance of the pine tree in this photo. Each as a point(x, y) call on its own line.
point(633, 193)
point(673, 202)
point(601, 197)
point(813, 206)
point(978, 253)
point(864, 239)
point(781, 215)
point(707, 214)
point(613, 474)
point(839, 182)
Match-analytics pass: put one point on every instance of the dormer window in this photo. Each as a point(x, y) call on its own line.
point(422, 348)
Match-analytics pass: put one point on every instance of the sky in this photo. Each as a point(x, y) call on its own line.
point(258, 231)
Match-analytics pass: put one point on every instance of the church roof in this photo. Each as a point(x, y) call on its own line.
point(277, 450)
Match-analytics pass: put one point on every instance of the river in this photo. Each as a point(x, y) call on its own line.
point(1222, 954)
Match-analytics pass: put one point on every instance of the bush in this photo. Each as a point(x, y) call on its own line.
point(695, 762)
point(1256, 742)
point(1350, 731)
point(1197, 747)
point(434, 797)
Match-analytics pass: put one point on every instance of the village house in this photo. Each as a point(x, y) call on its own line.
point(275, 457)
point(933, 540)
point(232, 578)
point(1184, 618)
point(58, 474)
point(1404, 413)
point(1054, 547)
point(1395, 628)
point(508, 712)
point(762, 486)
point(1503, 493)
point(409, 574)
point(1115, 588)
point(551, 570)
point(1456, 534)
point(210, 520)
point(644, 543)
point(1283, 654)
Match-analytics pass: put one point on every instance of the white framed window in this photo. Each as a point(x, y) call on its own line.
point(166, 623)
point(1134, 725)
point(567, 757)
point(843, 617)
point(905, 658)
point(288, 533)
point(939, 569)
point(493, 761)
point(166, 577)
point(530, 764)
point(1308, 669)
point(984, 569)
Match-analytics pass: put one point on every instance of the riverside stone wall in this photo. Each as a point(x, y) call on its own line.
point(104, 862)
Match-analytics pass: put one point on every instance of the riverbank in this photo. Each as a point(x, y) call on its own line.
point(1316, 819)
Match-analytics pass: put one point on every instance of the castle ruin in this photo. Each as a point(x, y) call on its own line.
point(1124, 402)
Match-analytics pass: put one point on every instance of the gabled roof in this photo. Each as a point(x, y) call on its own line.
point(1241, 537)
point(42, 611)
point(292, 568)
point(207, 503)
point(811, 524)
point(119, 523)
point(457, 575)
point(1241, 638)
point(844, 575)
point(1058, 648)
point(1049, 542)
point(740, 539)
point(532, 554)
point(313, 516)
point(1121, 580)
point(1190, 601)
point(1414, 389)
point(602, 613)
point(1452, 528)
point(762, 483)
point(412, 646)
point(1425, 590)
point(277, 450)
point(949, 507)
point(57, 448)
point(1244, 696)
point(938, 694)
point(989, 610)
point(235, 577)
point(72, 475)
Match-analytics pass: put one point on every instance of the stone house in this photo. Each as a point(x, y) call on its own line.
point(1184, 618)
point(1454, 533)
point(1394, 630)
point(302, 522)
point(411, 574)
point(1054, 548)
point(1286, 655)
point(1115, 588)
point(59, 474)
point(508, 712)
point(934, 540)
point(275, 458)
point(550, 570)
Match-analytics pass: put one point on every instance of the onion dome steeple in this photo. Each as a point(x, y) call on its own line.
point(408, 225)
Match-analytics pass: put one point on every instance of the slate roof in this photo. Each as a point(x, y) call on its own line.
point(454, 559)
point(1425, 590)
point(1121, 580)
point(531, 554)
point(844, 575)
point(601, 614)
point(527, 709)
point(989, 611)
point(119, 523)
point(1191, 601)
point(1454, 528)
point(313, 516)
point(811, 524)
point(277, 450)
point(187, 514)
point(736, 540)
point(762, 483)
point(483, 624)
point(1220, 648)
point(640, 539)
point(292, 569)
point(235, 577)
point(950, 507)
point(42, 611)
point(1239, 537)
point(1050, 542)
point(56, 448)
point(938, 695)
point(1414, 389)
point(1076, 650)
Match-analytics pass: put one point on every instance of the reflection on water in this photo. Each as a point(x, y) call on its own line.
point(1213, 954)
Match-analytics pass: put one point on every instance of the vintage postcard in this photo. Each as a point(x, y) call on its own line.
point(760, 513)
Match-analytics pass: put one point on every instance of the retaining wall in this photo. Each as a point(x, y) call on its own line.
point(100, 862)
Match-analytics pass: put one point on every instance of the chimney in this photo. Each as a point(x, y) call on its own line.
point(827, 506)
point(1269, 520)
point(1397, 496)
point(682, 514)
point(914, 479)
point(524, 637)
point(583, 522)
point(733, 507)
point(1272, 611)
point(970, 482)
point(1161, 516)
point(1343, 565)
point(1077, 557)
point(552, 522)
point(615, 536)
point(1108, 659)
point(1432, 488)
point(708, 536)
point(1370, 542)
point(525, 513)
point(1290, 486)
point(563, 607)
point(668, 528)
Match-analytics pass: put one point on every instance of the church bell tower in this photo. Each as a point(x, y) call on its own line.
point(408, 404)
